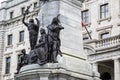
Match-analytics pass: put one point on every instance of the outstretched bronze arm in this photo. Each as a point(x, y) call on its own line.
point(23, 20)
point(26, 12)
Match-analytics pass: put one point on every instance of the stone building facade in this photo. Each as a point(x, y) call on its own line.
point(13, 34)
point(102, 21)
point(101, 18)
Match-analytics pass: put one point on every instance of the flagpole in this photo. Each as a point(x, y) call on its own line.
point(88, 32)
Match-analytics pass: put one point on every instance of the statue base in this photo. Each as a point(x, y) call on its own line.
point(50, 71)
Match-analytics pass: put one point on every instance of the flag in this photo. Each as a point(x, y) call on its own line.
point(83, 25)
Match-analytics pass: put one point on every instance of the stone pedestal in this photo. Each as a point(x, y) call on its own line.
point(49, 72)
point(73, 64)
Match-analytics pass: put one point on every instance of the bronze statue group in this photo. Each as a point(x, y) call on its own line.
point(48, 48)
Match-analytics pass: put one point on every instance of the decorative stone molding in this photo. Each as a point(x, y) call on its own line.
point(7, 75)
point(9, 46)
point(21, 43)
point(104, 28)
point(8, 54)
point(100, 20)
point(89, 50)
point(85, 33)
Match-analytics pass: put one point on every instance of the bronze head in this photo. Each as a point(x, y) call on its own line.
point(31, 20)
point(23, 51)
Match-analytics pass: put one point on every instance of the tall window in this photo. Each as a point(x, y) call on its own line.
point(22, 10)
point(21, 38)
point(105, 35)
point(35, 4)
point(7, 69)
point(11, 15)
point(104, 11)
point(85, 16)
point(10, 39)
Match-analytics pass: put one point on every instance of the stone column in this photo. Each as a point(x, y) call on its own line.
point(95, 71)
point(95, 67)
point(2, 32)
point(116, 69)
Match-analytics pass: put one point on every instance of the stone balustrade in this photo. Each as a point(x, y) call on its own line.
point(108, 42)
point(104, 43)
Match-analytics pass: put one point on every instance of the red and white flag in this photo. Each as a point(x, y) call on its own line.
point(83, 25)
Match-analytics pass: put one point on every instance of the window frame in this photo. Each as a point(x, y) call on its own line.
point(102, 34)
point(8, 64)
point(35, 4)
point(11, 14)
point(85, 18)
point(9, 39)
point(85, 38)
point(104, 11)
point(21, 36)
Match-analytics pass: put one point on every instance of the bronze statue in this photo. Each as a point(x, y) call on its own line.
point(54, 42)
point(41, 49)
point(49, 44)
point(39, 54)
point(22, 60)
point(32, 28)
point(27, 10)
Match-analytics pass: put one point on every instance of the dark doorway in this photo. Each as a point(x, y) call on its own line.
point(106, 76)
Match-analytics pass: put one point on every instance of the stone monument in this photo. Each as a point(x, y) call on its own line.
point(69, 60)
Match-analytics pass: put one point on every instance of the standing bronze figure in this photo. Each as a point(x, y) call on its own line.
point(49, 44)
point(22, 60)
point(39, 54)
point(32, 28)
point(54, 42)
point(41, 49)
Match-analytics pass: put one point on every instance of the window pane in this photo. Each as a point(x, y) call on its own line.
point(105, 35)
point(7, 69)
point(11, 15)
point(10, 39)
point(104, 11)
point(107, 11)
point(85, 16)
point(85, 38)
point(35, 4)
point(21, 36)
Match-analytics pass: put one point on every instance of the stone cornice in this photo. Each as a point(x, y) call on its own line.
point(76, 2)
point(13, 5)
point(19, 17)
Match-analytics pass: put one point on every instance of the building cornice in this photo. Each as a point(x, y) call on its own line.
point(12, 5)
point(19, 17)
